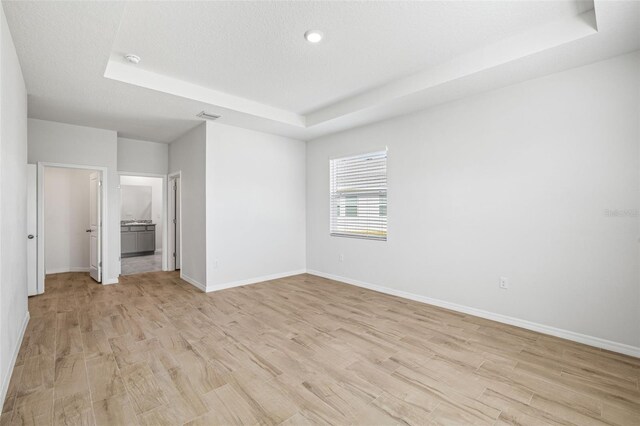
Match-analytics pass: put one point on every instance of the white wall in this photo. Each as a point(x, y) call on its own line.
point(135, 202)
point(187, 155)
point(136, 156)
point(68, 144)
point(13, 205)
point(156, 202)
point(255, 205)
point(66, 219)
point(514, 183)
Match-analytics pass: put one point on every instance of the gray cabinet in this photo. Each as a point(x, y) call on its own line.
point(137, 240)
point(146, 241)
point(128, 242)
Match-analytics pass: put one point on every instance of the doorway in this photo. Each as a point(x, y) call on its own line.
point(67, 208)
point(142, 219)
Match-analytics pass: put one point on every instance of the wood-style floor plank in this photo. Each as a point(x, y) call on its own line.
point(74, 409)
point(116, 411)
point(301, 350)
point(104, 377)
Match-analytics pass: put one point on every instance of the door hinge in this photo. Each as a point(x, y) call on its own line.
point(100, 264)
point(99, 183)
point(174, 254)
point(174, 221)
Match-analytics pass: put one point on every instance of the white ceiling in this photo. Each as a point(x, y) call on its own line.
point(249, 62)
point(257, 50)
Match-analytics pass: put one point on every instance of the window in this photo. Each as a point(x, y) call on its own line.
point(359, 196)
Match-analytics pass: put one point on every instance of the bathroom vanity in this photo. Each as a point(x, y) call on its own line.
point(137, 239)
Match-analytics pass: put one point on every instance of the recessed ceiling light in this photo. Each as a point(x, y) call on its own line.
point(313, 36)
point(134, 59)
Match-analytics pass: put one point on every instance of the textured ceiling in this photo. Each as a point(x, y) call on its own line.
point(256, 50)
point(249, 62)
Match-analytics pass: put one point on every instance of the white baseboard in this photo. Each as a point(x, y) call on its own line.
point(254, 280)
point(193, 282)
point(540, 328)
point(108, 281)
point(7, 378)
point(70, 269)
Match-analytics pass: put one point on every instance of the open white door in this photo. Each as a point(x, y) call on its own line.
point(178, 243)
point(174, 224)
point(32, 230)
point(95, 226)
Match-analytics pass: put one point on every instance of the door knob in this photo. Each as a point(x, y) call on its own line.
point(30, 236)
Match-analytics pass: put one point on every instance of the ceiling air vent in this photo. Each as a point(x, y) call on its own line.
point(208, 116)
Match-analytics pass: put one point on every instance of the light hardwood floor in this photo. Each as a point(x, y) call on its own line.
point(300, 350)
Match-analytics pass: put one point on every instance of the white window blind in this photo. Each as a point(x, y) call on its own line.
point(358, 201)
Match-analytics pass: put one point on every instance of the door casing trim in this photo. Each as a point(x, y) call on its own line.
point(165, 214)
point(40, 217)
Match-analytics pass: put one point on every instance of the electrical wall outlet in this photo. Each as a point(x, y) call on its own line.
point(504, 283)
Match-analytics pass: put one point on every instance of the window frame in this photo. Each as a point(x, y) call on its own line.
point(339, 207)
